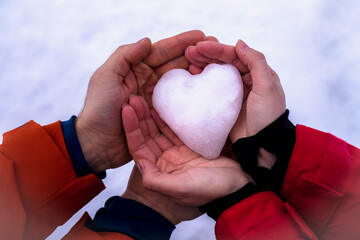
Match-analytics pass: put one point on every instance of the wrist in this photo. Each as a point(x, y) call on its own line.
point(248, 128)
point(264, 121)
point(236, 134)
point(90, 151)
point(162, 209)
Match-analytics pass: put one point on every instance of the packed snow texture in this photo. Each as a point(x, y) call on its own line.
point(201, 109)
point(49, 50)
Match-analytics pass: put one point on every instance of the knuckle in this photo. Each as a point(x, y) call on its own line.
point(101, 74)
point(121, 48)
point(258, 56)
point(275, 75)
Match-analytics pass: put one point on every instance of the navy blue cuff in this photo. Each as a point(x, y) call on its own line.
point(73, 146)
point(131, 218)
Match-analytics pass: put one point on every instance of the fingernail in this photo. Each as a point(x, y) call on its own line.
point(132, 95)
point(124, 105)
point(142, 40)
point(140, 166)
point(243, 45)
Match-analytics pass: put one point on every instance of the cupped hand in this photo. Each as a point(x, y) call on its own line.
point(133, 68)
point(166, 206)
point(264, 98)
point(171, 168)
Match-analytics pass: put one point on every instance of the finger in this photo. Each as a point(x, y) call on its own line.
point(140, 113)
point(211, 38)
point(246, 78)
point(195, 70)
point(130, 82)
point(127, 56)
point(193, 54)
point(180, 62)
point(256, 63)
point(136, 103)
point(163, 142)
point(215, 50)
point(165, 129)
point(135, 140)
point(196, 58)
point(221, 52)
point(167, 49)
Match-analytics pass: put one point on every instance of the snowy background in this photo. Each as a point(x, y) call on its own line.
point(49, 50)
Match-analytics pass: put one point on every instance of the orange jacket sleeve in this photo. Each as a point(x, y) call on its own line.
point(38, 187)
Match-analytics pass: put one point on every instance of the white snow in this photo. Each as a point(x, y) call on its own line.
point(201, 109)
point(49, 49)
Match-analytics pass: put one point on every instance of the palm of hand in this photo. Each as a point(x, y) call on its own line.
point(170, 209)
point(198, 180)
point(106, 131)
point(107, 123)
point(99, 123)
point(170, 167)
point(250, 121)
point(105, 119)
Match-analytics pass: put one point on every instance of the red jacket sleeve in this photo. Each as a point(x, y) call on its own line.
point(38, 187)
point(262, 216)
point(320, 196)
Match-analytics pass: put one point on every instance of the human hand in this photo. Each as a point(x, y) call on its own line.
point(171, 168)
point(264, 98)
point(133, 68)
point(167, 207)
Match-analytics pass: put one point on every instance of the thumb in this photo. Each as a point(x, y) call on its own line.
point(256, 63)
point(129, 55)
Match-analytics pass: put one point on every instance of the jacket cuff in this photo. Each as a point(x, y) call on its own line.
point(277, 138)
point(73, 146)
point(131, 218)
point(215, 208)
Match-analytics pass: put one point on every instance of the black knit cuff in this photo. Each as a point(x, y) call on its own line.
point(215, 208)
point(277, 138)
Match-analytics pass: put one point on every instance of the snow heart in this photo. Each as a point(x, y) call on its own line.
point(201, 109)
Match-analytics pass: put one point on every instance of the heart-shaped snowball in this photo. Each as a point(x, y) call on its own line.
point(201, 109)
